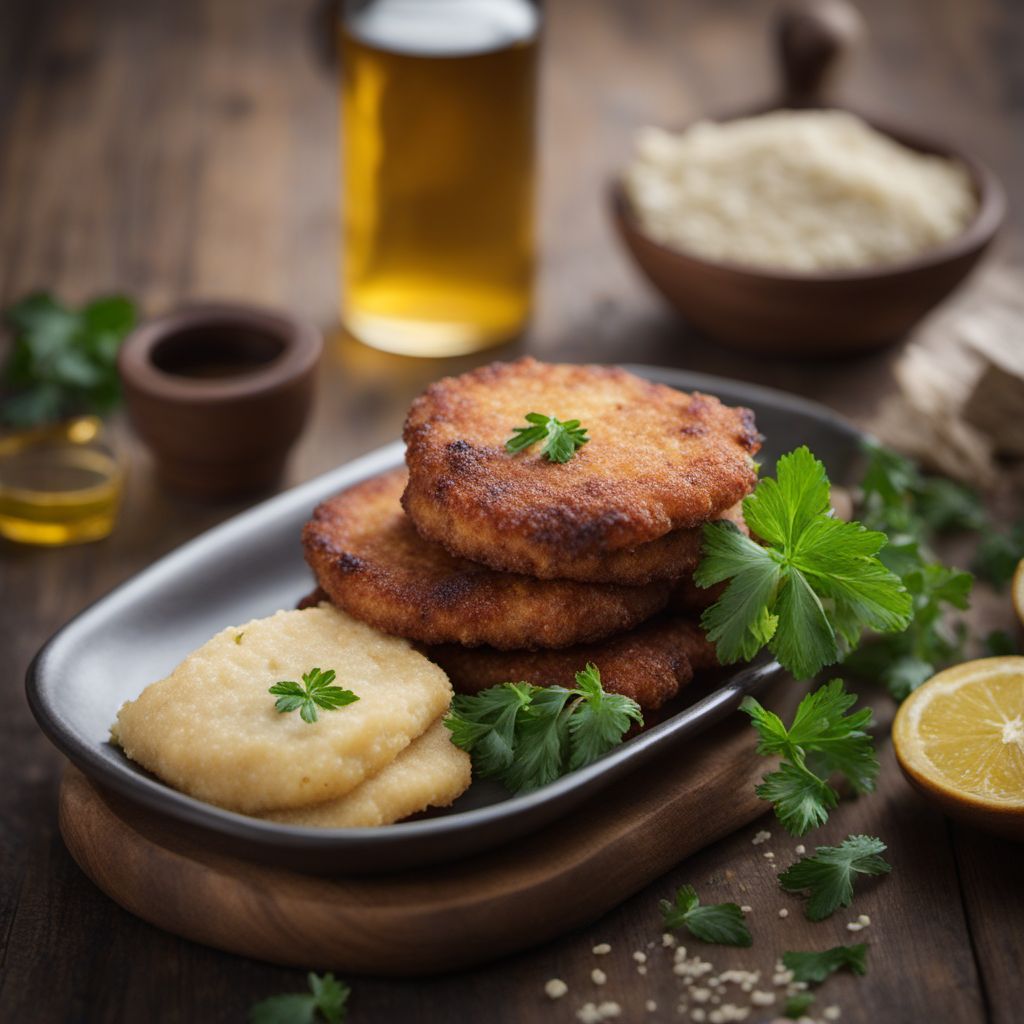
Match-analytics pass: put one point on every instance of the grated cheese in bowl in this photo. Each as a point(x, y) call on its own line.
point(801, 191)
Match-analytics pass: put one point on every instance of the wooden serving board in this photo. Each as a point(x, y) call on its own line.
point(434, 920)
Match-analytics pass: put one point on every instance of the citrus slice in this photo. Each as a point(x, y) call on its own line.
point(959, 739)
point(1017, 591)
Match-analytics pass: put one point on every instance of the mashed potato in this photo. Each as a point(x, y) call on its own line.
point(211, 730)
point(430, 772)
point(795, 191)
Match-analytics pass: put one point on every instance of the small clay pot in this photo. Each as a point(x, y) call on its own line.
point(220, 393)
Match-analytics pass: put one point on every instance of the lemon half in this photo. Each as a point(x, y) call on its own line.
point(959, 739)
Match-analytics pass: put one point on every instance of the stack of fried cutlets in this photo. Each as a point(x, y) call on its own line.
point(509, 567)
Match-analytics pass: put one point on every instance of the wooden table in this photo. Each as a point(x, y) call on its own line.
point(186, 148)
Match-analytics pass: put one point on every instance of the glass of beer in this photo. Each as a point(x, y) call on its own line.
point(438, 136)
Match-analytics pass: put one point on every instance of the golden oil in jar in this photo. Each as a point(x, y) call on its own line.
point(59, 484)
point(438, 112)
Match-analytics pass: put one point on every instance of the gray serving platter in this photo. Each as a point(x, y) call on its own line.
point(251, 566)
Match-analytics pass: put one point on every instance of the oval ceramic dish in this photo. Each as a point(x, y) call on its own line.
point(141, 630)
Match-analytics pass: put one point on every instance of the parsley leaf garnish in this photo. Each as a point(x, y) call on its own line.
point(722, 923)
point(910, 508)
point(63, 361)
point(561, 437)
point(828, 876)
point(527, 736)
point(816, 967)
point(315, 691)
point(797, 1005)
point(813, 586)
point(822, 740)
point(327, 997)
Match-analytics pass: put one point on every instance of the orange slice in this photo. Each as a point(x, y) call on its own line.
point(959, 739)
point(1017, 591)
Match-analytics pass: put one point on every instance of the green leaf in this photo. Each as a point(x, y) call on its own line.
point(527, 736)
point(721, 923)
point(326, 1002)
point(561, 438)
point(816, 580)
point(814, 968)
point(63, 362)
point(598, 721)
point(822, 740)
point(316, 691)
point(828, 876)
point(797, 1005)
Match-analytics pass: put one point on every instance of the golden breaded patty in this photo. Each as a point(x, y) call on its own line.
point(650, 663)
point(211, 729)
point(370, 560)
point(658, 460)
point(430, 772)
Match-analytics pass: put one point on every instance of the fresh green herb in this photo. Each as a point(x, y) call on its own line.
point(828, 876)
point(527, 736)
point(62, 361)
point(816, 967)
point(722, 923)
point(315, 691)
point(815, 586)
point(238, 637)
point(325, 1001)
point(911, 508)
point(561, 437)
point(822, 740)
point(999, 643)
point(797, 1005)
point(999, 554)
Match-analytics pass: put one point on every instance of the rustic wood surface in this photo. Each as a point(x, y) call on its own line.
point(186, 148)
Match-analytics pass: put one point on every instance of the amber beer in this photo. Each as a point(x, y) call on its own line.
point(438, 102)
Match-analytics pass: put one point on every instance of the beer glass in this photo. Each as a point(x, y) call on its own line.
point(438, 118)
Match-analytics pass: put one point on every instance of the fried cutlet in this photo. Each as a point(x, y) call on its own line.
point(650, 663)
point(658, 460)
point(368, 557)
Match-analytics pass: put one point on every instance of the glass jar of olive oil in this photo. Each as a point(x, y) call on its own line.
point(438, 119)
point(59, 484)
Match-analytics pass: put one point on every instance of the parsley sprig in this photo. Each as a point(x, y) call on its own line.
point(315, 692)
point(561, 437)
point(810, 589)
point(814, 968)
point(821, 741)
point(721, 923)
point(828, 876)
point(63, 361)
point(325, 1000)
point(527, 736)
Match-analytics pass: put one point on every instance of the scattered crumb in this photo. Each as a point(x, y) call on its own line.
point(746, 909)
point(588, 1014)
point(782, 977)
point(641, 968)
point(729, 1012)
point(700, 995)
point(650, 1006)
point(698, 1014)
point(864, 920)
point(601, 949)
point(783, 912)
point(831, 1013)
point(801, 849)
point(598, 977)
point(609, 1010)
point(768, 855)
point(640, 956)
point(854, 926)
point(759, 998)
point(555, 988)
point(667, 939)
point(761, 837)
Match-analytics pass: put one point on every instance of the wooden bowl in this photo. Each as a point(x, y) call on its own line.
point(220, 393)
point(831, 313)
